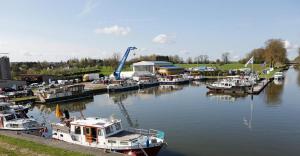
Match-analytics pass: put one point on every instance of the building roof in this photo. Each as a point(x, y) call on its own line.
point(159, 63)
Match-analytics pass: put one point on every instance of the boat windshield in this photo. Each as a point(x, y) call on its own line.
point(9, 117)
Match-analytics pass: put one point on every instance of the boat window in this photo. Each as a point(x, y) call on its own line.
point(123, 143)
point(54, 133)
point(9, 117)
point(111, 141)
point(118, 126)
point(61, 135)
point(108, 130)
point(77, 130)
point(87, 130)
point(100, 132)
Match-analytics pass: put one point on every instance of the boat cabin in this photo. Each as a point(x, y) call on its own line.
point(90, 130)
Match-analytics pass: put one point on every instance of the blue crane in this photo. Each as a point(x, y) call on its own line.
point(117, 72)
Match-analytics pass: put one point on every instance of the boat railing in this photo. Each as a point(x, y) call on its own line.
point(149, 132)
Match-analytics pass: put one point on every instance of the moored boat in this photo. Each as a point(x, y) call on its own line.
point(122, 85)
point(63, 94)
point(16, 121)
point(145, 82)
point(278, 76)
point(232, 84)
point(108, 134)
point(172, 80)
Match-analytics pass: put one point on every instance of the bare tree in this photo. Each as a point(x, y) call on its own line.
point(225, 57)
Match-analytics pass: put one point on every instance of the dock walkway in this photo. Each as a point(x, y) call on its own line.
point(58, 144)
point(259, 87)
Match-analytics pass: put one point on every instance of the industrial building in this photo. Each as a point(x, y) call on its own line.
point(157, 67)
point(5, 73)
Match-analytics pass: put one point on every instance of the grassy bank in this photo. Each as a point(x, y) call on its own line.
point(256, 67)
point(15, 147)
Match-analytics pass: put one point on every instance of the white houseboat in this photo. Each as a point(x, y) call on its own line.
point(145, 82)
point(278, 76)
point(63, 94)
point(173, 80)
point(108, 134)
point(17, 121)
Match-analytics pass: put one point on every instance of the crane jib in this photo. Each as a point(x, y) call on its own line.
point(117, 73)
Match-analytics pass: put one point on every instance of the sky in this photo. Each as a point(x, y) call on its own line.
point(55, 30)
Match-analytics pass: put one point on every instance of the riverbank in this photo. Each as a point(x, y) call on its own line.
point(13, 143)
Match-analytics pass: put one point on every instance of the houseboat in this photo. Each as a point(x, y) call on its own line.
point(145, 82)
point(122, 85)
point(278, 76)
point(18, 108)
point(108, 134)
point(232, 84)
point(63, 94)
point(16, 121)
point(173, 80)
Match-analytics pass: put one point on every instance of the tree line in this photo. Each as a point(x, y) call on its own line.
point(274, 52)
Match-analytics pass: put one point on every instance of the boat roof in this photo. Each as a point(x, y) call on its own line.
point(4, 104)
point(95, 122)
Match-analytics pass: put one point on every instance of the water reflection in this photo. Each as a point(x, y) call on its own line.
point(248, 122)
point(153, 91)
point(274, 93)
point(118, 99)
point(70, 106)
point(297, 68)
point(222, 97)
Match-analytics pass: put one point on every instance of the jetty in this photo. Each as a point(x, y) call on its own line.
point(256, 89)
point(58, 144)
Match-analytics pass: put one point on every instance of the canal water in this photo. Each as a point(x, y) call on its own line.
point(198, 123)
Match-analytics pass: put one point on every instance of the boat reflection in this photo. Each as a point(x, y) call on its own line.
point(273, 94)
point(70, 106)
point(153, 91)
point(223, 97)
point(278, 82)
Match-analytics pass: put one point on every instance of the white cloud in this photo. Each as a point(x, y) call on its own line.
point(88, 7)
point(113, 30)
point(289, 46)
point(163, 39)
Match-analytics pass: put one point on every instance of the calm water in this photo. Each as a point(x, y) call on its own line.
point(200, 124)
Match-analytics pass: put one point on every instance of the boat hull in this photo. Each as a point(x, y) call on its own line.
point(151, 151)
point(70, 98)
point(123, 89)
point(173, 83)
point(240, 90)
point(147, 85)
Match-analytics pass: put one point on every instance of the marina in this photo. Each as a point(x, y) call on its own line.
point(206, 117)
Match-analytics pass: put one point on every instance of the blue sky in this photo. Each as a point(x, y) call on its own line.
point(55, 30)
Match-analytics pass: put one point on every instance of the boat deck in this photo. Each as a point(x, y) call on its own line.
point(124, 136)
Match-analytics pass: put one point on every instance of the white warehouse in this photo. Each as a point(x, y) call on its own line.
point(150, 66)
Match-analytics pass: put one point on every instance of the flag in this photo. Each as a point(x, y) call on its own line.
point(58, 112)
point(250, 61)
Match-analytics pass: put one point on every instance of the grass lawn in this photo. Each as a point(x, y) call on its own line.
point(16, 147)
point(256, 67)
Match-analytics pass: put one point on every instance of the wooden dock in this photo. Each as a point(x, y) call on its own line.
point(256, 89)
point(58, 144)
